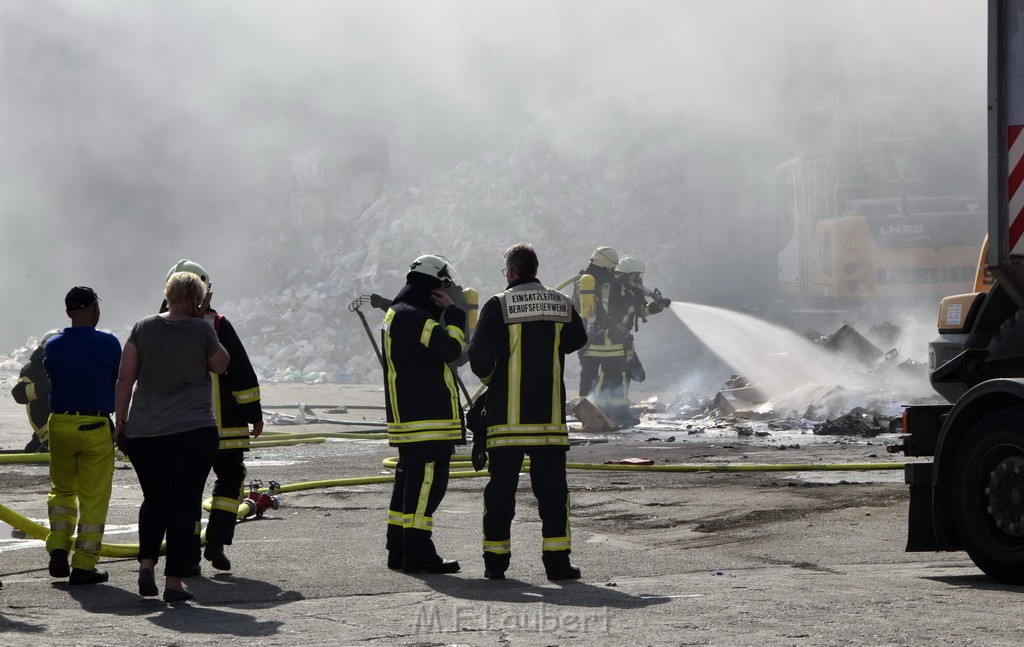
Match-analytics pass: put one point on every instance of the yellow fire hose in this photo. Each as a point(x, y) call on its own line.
point(458, 465)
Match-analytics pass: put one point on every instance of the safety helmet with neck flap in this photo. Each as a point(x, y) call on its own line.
point(605, 257)
point(437, 267)
point(631, 265)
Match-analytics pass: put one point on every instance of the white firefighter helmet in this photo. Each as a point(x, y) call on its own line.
point(47, 336)
point(185, 265)
point(436, 266)
point(605, 257)
point(631, 265)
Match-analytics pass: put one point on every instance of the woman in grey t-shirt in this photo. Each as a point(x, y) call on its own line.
point(170, 433)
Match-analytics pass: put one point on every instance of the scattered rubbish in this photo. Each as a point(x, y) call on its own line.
point(306, 416)
point(851, 343)
point(650, 405)
point(856, 423)
point(593, 419)
point(630, 461)
point(738, 394)
point(885, 333)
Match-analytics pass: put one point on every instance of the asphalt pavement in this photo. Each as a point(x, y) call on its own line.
point(668, 558)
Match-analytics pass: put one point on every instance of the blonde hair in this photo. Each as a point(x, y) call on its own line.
point(184, 289)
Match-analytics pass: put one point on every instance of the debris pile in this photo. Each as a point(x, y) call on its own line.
point(858, 423)
point(867, 402)
point(568, 172)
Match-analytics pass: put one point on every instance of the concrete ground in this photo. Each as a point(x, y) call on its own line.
point(751, 558)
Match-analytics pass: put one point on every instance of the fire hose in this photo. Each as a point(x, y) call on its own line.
point(263, 499)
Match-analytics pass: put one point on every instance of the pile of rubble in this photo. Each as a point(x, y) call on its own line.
point(558, 183)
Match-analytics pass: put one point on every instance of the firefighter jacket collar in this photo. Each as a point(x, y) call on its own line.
point(417, 293)
point(521, 281)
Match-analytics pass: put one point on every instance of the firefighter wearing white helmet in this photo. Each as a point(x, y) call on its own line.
point(423, 332)
point(236, 404)
point(631, 304)
point(437, 267)
point(185, 265)
point(591, 297)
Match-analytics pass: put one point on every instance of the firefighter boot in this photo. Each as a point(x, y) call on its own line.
point(439, 566)
point(494, 569)
point(421, 555)
point(558, 567)
point(215, 554)
point(92, 576)
point(495, 565)
point(34, 445)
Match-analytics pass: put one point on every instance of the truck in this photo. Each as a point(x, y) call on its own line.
point(967, 478)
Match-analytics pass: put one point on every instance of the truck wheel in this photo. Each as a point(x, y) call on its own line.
point(988, 495)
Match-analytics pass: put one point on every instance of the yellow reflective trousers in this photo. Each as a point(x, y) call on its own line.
point(81, 474)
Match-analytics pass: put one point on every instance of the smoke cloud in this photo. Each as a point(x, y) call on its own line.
point(256, 136)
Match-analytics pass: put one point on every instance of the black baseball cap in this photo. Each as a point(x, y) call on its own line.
point(80, 297)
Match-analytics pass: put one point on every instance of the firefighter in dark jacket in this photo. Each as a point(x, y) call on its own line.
point(236, 405)
point(519, 350)
point(424, 414)
point(630, 305)
point(33, 391)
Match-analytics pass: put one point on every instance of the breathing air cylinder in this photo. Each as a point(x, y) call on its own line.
point(472, 309)
point(588, 296)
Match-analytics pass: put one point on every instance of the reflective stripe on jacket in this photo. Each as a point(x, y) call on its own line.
point(421, 394)
point(519, 350)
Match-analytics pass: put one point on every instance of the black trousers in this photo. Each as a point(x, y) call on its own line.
point(229, 468)
point(421, 481)
point(601, 379)
point(172, 471)
point(547, 477)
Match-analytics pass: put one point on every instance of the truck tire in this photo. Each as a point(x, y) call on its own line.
point(988, 494)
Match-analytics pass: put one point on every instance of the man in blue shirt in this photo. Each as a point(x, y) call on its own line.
point(82, 364)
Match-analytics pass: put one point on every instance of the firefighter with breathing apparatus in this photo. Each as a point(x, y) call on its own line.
point(591, 296)
point(631, 303)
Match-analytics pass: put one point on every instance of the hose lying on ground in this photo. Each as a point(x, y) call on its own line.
point(458, 465)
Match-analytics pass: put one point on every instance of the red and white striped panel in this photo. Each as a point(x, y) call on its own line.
point(1015, 164)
